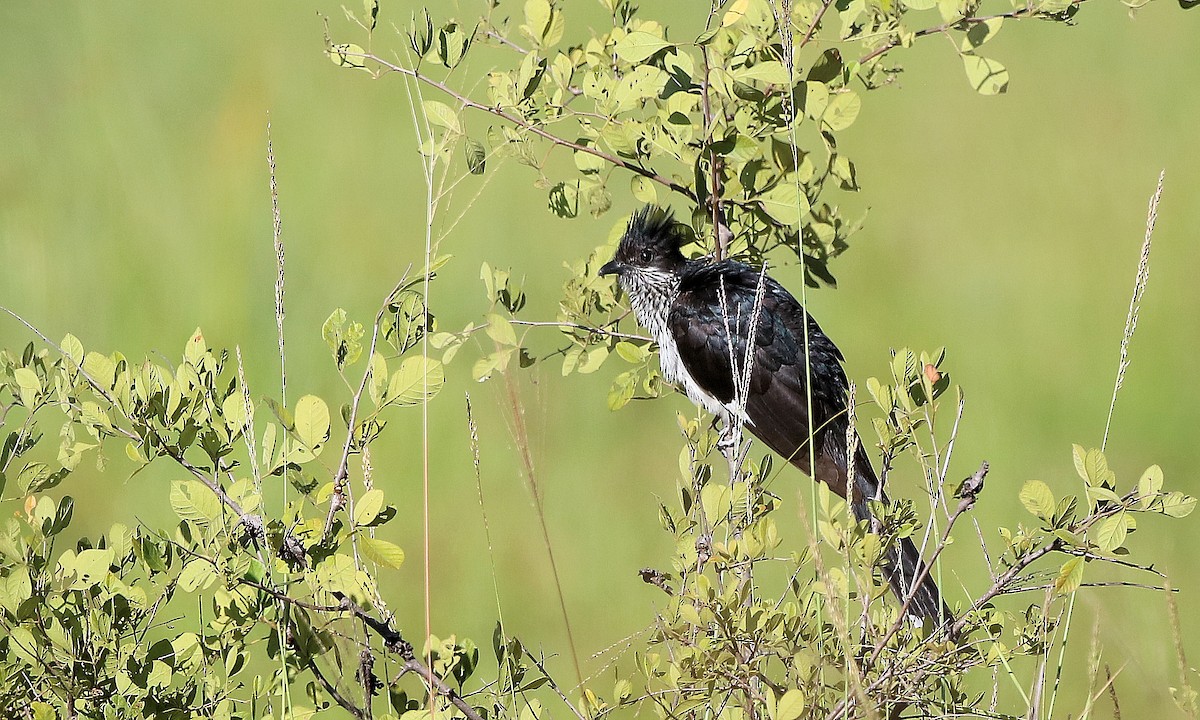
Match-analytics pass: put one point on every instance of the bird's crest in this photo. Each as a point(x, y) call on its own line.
point(652, 229)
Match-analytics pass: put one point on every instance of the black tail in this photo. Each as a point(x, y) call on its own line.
point(903, 564)
point(902, 567)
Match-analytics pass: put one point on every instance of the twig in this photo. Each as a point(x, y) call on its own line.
point(505, 41)
point(577, 326)
point(529, 126)
point(337, 500)
point(1022, 12)
point(812, 29)
point(340, 699)
point(969, 492)
point(1016, 590)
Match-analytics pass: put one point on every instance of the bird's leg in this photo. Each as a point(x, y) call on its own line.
point(729, 444)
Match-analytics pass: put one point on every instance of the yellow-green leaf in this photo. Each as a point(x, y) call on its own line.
point(1109, 533)
point(501, 330)
point(785, 203)
point(987, 76)
point(1070, 576)
point(381, 551)
point(1150, 484)
point(1037, 498)
point(1176, 504)
point(842, 110)
point(416, 381)
point(367, 507)
point(440, 114)
point(312, 421)
point(790, 706)
point(639, 45)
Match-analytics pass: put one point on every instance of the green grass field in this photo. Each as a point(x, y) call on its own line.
point(134, 207)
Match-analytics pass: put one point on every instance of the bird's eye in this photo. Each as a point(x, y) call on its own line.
point(647, 256)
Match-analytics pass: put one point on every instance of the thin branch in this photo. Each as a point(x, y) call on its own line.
point(529, 126)
point(1018, 14)
point(505, 41)
point(973, 484)
point(340, 699)
point(584, 328)
point(337, 500)
point(812, 29)
point(1014, 591)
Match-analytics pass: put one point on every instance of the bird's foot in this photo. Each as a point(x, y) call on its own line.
point(730, 443)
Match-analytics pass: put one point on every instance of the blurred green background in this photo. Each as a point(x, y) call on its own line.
point(134, 206)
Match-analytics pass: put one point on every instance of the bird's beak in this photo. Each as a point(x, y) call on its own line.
point(612, 267)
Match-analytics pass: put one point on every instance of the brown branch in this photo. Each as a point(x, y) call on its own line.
point(505, 41)
point(812, 29)
point(1018, 14)
point(526, 125)
point(971, 486)
point(340, 699)
point(576, 326)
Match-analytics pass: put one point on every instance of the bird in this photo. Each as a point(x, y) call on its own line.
point(701, 313)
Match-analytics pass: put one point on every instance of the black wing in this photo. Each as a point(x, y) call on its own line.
point(717, 300)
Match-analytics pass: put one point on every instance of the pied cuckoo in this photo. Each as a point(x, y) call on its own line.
point(692, 307)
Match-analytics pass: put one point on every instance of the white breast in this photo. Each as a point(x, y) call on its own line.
point(651, 310)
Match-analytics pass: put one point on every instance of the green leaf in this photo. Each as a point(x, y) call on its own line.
point(1070, 576)
point(197, 575)
point(771, 72)
point(23, 646)
point(1079, 455)
point(501, 330)
point(1178, 505)
point(417, 380)
point(343, 339)
point(312, 421)
point(592, 361)
point(639, 45)
point(643, 189)
point(717, 502)
point(987, 76)
point(980, 32)
point(381, 551)
point(101, 369)
point(842, 110)
point(630, 353)
point(91, 566)
point(1150, 485)
point(72, 349)
point(785, 203)
point(537, 18)
point(476, 156)
point(790, 706)
point(440, 114)
point(43, 711)
point(1038, 499)
point(367, 507)
point(193, 501)
point(1109, 533)
point(1098, 472)
point(341, 55)
point(30, 386)
point(337, 573)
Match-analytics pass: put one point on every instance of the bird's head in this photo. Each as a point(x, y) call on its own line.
point(650, 245)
